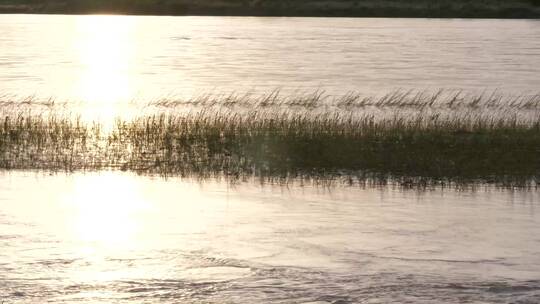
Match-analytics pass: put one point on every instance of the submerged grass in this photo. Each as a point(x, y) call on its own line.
point(421, 148)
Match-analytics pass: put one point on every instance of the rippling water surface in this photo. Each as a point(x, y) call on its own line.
point(119, 238)
point(119, 58)
point(113, 237)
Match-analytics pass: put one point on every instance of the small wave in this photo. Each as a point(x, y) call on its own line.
point(9, 237)
point(53, 262)
point(140, 290)
point(498, 261)
point(18, 294)
point(503, 287)
point(234, 38)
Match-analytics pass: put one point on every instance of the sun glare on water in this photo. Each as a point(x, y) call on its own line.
point(105, 223)
point(110, 218)
point(107, 206)
point(106, 48)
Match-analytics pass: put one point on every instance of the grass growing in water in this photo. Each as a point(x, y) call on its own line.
point(426, 147)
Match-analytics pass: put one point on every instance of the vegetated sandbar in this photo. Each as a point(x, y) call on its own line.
point(401, 139)
point(348, 8)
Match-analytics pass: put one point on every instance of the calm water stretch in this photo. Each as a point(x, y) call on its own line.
point(108, 58)
point(115, 237)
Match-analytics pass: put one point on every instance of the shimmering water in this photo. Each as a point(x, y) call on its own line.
point(119, 58)
point(119, 238)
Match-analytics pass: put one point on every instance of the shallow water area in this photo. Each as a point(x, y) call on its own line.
point(117, 237)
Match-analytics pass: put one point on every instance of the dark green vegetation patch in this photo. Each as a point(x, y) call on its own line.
point(352, 8)
point(412, 144)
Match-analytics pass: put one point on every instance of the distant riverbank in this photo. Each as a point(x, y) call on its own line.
point(315, 8)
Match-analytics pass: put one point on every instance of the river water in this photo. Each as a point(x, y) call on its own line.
point(118, 238)
point(114, 237)
point(119, 58)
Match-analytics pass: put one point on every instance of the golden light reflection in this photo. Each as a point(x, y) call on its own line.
point(105, 222)
point(114, 219)
point(106, 46)
point(106, 211)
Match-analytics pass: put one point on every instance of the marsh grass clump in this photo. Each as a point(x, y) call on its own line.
point(50, 143)
point(422, 147)
point(333, 146)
